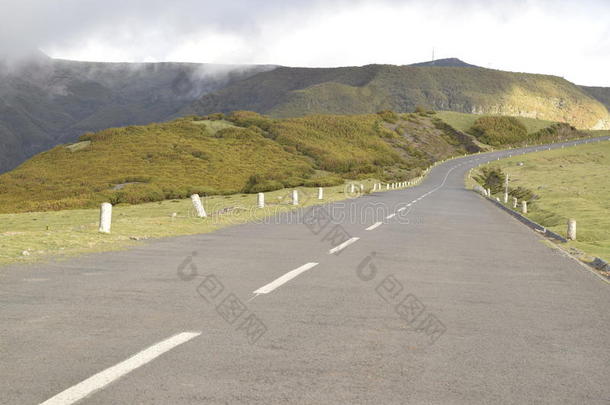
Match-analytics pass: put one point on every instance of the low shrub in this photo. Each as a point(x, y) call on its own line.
point(498, 131)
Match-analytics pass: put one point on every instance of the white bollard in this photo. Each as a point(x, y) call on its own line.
point(524, 207)
point(505, 198)
point(352, 188)
point(320, 193)
point(362, 187)
point(515, 202)
point(105, 217)
point(261, 200)
point(572, 229)
point(198, 206)
point(488, 192)
point(387, 186)
point(295, 197)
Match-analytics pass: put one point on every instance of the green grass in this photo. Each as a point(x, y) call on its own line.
point(215, 125)
point(57, 234)
point(464, 121)
point(571, 183)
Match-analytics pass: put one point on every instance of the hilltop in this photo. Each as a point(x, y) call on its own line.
point(247, 152)
point(447, 62)
point(454, 85)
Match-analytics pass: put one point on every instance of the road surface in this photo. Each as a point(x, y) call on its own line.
point(424, 295)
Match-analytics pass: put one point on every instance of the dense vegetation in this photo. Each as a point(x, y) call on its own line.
point(289, 92)
point(493, 178)
point(222, 154)
point(497, 131)
point(501, 131)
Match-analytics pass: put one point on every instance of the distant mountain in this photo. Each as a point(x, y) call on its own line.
point(286, 92)
point(448, 62)
point(45, 101)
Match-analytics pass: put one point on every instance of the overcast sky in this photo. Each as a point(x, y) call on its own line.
point(564, 38)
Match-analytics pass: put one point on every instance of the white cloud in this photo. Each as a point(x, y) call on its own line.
point(564, 38)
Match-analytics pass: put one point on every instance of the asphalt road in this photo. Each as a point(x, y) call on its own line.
point(449, 301)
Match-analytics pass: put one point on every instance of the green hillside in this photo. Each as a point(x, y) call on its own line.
point(289, 92)
point(219, 154)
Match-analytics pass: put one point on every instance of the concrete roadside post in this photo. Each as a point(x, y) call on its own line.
point(524, 207)
point(261, 200)
point(295, 197)
point(571, 229)
point(200, 211)
point(352, 188)
point(105, 217)
point(488, 192)
point(320, 193)
point(514, 202)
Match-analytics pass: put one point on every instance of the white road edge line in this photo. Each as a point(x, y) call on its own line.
point(343, 245)
point(402, 209)
point(390, 216)
point(267, 288)
point(375, 225)
point(103, 378)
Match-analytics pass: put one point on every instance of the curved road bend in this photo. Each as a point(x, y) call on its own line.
point(447, 301)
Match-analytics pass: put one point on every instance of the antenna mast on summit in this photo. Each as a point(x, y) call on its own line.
point(433, 55)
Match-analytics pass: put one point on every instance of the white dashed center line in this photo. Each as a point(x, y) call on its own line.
point(375, 225)
point(103, 378)
point(343, 245)
point(284, 279)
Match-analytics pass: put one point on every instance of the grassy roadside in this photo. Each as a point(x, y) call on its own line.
point(569, 183)
point(62, 234)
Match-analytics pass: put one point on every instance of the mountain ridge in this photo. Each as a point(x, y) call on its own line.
point(46, 101)
point(285, 92)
